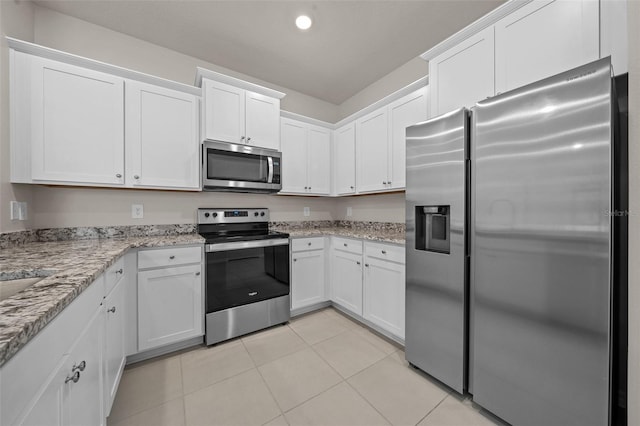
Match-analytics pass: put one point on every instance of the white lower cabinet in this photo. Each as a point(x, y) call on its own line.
point(115, 336)
point(307, 272)
point(170, 303)
point(346, 274)
point(384, 295)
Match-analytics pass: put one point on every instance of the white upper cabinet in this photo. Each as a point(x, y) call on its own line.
point(372, 148)
point(344, 159)
point(404, 112)
point(223, 112)
point(544, 38)
point(463, 75)
point(262, 120)
point(161, 137)
point(236, 115)
point(306, 158)
point(78, 123)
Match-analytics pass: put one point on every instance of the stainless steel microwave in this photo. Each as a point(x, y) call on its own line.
point(240, 168)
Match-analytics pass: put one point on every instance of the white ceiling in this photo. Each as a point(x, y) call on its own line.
point(350, 45)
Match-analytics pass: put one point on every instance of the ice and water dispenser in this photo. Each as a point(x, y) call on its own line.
point(432, 228)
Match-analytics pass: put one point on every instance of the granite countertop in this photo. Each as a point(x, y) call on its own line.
point(69, 268)
point(396, 236)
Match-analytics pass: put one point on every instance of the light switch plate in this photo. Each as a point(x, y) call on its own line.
point(14, 210)
point(306, 211)
point(137, 211)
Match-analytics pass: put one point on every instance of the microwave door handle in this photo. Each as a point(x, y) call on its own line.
point(270, 169)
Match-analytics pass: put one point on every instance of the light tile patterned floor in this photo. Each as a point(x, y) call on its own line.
point(320, 369)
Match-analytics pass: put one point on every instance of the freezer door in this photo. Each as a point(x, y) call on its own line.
point(435, 247)
point(540, 251)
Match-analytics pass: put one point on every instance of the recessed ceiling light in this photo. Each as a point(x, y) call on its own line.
point(303, 22)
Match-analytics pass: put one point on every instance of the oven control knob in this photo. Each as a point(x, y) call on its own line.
point(206, 215)
point(255, 214)
point(215, 215)
point(262, 214)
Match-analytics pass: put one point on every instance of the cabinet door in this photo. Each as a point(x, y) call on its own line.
point(544, 38)
point(223, 112)
point(262, 120)
point(114, 348)
point(161, 137)
point(407, 111)
point(169, 305)
point(82, 400)
point(346, 281)
point(372, 151)
point(319, 160)
point(77, 118)
point(344, 159)
point(294, 156)
point(463, 75)
point(307, 278)
point(383, 293)
point(47, 408)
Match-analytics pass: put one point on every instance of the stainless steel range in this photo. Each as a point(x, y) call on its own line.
point(247, 272)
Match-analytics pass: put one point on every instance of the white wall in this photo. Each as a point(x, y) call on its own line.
point(634, 208)
point(374, 208)
point(16, 20)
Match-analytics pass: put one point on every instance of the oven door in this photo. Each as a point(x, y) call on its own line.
point(245, 272)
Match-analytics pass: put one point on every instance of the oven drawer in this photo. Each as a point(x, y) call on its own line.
point(348, 245)
point(169, 257)
point(303, 244)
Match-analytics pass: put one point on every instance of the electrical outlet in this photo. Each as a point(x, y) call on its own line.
point(307, 212)
point(137, 211)
point(23, 210)
point(15, 210)
point(349, 211)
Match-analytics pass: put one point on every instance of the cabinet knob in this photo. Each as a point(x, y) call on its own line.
point(309, 244)
point(136, 177)
point(345, 244)
point(366, 264)
point(118, 175)
point(74, 378)
point(305, 187)
point(248, 139)
point(389, 182)
point(309, 188)
point(295, 260)
point(112, 310)
point(241, 138)
point(119, 271)
point(172, 257)
point(351, 187)
point(357, 262)
point(384, 183)
point(81, 366)
point(384, 252)
point(197, 273)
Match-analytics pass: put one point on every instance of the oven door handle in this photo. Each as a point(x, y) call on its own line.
point(239, 245)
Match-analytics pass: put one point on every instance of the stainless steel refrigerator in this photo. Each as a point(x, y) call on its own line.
point(510, 249)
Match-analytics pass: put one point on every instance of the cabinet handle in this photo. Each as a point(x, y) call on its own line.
point(118, 175)
point(389, 182)
point(366, 264)
point(119, 271)
point(384, 183)
point(384, 252)
point(136, 177)
point(357, 262)
point(197, 273)
point(172, 257)
point(112, 310)
point(81, 366)
point(74, 378)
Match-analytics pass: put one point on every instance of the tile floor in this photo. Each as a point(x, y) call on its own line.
point(320, 369)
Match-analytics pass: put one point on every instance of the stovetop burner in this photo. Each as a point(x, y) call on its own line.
point(230, 225)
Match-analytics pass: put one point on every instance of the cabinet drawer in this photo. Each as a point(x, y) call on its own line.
point(348, 245)
point(302, 244)
point(385, 252)
point(113, 275)
point(169, 257)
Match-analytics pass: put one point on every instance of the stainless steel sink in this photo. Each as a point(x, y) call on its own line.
point(11, 287)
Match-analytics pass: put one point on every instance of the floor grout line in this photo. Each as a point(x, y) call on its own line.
point(434, 408)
